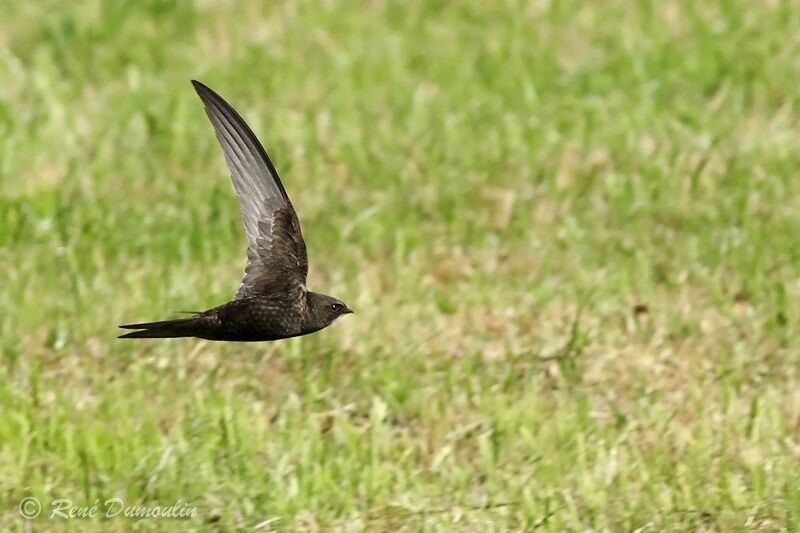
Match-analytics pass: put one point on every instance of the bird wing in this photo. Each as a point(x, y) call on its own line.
point(276, 252)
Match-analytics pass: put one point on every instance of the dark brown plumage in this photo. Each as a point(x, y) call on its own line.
point(272, 302)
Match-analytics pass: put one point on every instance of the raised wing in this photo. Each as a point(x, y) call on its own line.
point(276, 252)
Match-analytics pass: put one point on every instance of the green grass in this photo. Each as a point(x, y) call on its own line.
point(569, 231)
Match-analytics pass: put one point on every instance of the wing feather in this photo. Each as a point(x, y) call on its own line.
point(276, 251)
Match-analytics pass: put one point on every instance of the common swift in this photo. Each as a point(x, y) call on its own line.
point(272, 302)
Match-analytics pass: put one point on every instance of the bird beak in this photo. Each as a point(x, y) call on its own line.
point(348, 311)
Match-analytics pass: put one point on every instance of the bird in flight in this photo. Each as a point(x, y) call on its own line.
point(272, 302)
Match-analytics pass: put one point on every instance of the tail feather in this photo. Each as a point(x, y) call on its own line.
point(153, 334)
point(182, 327)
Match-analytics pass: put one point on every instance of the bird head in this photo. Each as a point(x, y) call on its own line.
point(324, 309)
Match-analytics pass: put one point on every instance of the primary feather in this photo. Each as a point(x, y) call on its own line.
point(275, 241)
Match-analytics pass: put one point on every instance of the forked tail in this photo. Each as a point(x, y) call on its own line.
point(182, 327)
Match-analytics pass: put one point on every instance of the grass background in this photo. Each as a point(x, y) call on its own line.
point(569, 231)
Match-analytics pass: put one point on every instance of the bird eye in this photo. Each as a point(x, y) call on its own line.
point(336, 307)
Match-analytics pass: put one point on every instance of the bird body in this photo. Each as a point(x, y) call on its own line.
point(272, 302)
point(257, 318)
